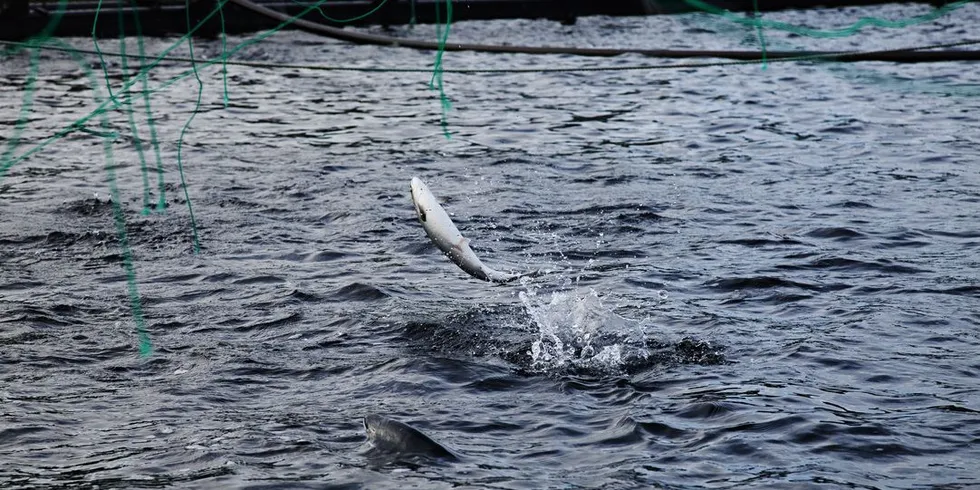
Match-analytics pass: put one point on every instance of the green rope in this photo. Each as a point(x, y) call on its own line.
point(121, 97)
point(7, 162)
point(95, 41)
point(128, 104)
point(224, 56)
point(101, 107)
point(183, 131)
point(347, 20)
point(48, 28)
point(154, 142)
point(119, 218)
point(437, 70)
point(7, 159)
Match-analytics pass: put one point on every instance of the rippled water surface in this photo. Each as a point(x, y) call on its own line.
point(752, 277)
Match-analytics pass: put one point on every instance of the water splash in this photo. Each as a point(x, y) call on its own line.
point(576, 331)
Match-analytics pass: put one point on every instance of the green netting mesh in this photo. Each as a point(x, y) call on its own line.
point(133, 95)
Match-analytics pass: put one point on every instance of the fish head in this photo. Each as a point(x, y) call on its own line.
point(371, 423)
point(420, 197)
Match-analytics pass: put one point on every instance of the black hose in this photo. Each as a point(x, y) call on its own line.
point(899, 55)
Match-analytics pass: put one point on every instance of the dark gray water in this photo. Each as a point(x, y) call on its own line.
point(757, 277)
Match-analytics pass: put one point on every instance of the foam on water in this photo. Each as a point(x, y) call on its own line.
point(575, 330)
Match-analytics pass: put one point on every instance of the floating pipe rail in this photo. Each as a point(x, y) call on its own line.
point(169, 17)
point(904, 55)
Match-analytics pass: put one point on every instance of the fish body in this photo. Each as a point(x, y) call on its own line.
point(391, 436)
point(444, 234)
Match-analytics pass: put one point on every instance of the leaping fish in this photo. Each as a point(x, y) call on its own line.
point(447, 237)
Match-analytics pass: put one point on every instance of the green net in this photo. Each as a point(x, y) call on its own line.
point(132, 93)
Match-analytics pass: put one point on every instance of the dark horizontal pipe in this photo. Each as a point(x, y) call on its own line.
point(906, 56)
point(169, 17)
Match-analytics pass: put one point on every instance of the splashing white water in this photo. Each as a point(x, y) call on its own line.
point(575, 330)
